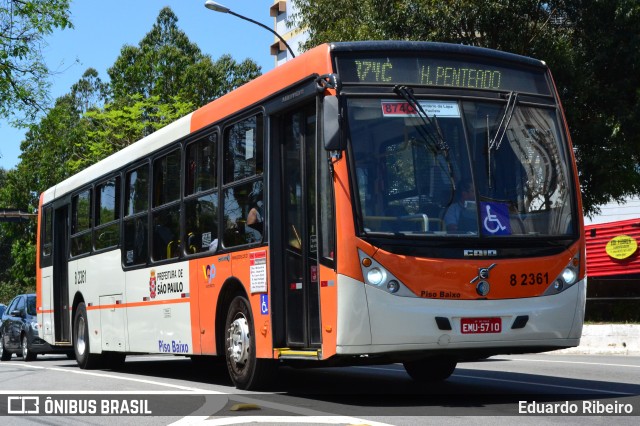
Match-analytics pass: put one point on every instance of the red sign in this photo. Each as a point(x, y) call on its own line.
point(480, 325)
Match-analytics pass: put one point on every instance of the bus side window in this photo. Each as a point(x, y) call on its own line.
point(244, 215)
point(136, 198)
point(166, 206)
point(81, 223)
point(201, 196)
point(107, 227)
point(47, 231)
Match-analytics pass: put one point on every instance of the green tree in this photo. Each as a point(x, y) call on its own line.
point(24, 24)
point(166, 64)
point(592, 47)
point(45, 160)
point(112, 128)
point(161, 80)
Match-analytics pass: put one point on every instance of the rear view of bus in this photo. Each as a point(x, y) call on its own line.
point(466, 239)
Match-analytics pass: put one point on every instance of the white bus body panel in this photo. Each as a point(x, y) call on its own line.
point(160, 309)
point(399, 324)
point(101, 282)
point(127, 311)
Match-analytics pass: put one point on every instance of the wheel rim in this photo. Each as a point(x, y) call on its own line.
point(239, 340)
point(81, 344)
point(25, 347)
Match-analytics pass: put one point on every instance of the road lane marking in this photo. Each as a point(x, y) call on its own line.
point(513, 381)
point(569, 362)
point(277, 420)
point(543, 384)
point(112, 376)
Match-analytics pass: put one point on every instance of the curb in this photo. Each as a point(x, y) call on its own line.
point(610, 339)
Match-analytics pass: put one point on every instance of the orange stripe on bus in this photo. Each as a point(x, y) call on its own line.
point(138, 304)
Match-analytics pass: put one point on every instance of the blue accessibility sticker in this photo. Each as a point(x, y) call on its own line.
point(495, 218)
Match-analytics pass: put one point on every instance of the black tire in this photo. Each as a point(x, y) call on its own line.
point(246, 371)
point(27, 354)
point(431, 369)
point(5, 355)
point(85, 359)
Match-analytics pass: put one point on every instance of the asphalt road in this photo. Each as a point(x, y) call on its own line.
point(504, 389)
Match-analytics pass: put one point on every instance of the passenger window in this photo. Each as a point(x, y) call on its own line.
point(243, 148)
point(201, 196)
point(47, 231)
point(201, 165)
point(166, 179)
point(166, 241)
point(81, 223)
point(244, 215)
point(137, 195)
point(136, 216)
point(107, 232)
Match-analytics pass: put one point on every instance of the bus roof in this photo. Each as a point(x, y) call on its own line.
point(435, 47)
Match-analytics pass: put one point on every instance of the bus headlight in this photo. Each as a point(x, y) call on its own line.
point(569, 275)
point(566, 279)
point(377, 276)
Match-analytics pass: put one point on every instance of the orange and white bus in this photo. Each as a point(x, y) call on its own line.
point(366, 202)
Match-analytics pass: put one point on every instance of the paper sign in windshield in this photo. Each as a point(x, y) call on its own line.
point(431, 108)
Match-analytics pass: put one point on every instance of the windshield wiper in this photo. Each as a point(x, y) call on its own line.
point(512, 100)
point(434, 136)
point(495, 143)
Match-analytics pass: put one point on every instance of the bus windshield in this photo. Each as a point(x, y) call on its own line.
point(478, 169)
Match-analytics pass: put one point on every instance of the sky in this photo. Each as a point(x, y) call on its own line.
point(102, 28)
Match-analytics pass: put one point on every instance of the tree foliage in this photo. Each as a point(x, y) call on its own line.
point(24, 24)
point(592, 47)
point(166, 64)
point(162, 79)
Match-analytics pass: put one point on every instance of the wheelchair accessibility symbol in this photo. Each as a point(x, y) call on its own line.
point(495, 219)
point(264, 304)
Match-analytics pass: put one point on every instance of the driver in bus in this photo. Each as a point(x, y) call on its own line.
point(460, 217)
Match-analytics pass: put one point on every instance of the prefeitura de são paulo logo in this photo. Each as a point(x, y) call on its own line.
point(152, 284)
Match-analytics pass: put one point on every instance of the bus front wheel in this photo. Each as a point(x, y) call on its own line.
point(433, 369)
point(84, 357)
point(246, 370)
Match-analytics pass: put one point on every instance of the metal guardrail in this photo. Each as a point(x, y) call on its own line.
point(11, 215)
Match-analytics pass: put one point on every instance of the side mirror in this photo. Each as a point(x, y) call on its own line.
point(331, 124)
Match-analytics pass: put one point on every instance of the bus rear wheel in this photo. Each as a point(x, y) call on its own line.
point(85, 359)
point(433, 369)
point(245, 369)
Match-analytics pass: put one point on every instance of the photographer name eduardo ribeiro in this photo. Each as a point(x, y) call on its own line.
point(594, 407)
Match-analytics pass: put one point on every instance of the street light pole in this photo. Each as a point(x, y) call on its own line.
point(217, 7)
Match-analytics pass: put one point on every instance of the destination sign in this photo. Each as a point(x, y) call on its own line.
point(443, 72)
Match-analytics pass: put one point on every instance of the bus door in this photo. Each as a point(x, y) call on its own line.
point(61, 316)
point(298, 228)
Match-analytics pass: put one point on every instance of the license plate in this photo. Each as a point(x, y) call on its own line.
point(480, 325)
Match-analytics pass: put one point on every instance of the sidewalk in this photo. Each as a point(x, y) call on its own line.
point(613, 339)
